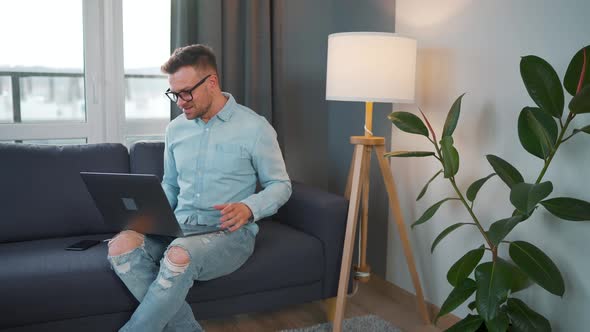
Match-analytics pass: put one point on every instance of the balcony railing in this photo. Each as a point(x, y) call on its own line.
point(73, 89)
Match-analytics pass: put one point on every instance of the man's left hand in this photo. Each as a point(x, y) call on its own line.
point(233, 215)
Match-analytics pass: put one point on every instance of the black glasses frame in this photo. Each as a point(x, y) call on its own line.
point(173, 96)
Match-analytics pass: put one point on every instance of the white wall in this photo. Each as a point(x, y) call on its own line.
point(475, 47)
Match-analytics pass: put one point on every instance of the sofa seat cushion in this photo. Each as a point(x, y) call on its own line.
point(40, 281)
point(283, 257)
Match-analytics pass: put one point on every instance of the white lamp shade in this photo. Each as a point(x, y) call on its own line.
point(371, 66)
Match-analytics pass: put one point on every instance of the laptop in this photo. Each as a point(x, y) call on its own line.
point(137, 202)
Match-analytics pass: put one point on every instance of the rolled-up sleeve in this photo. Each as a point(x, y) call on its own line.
point(268, 161)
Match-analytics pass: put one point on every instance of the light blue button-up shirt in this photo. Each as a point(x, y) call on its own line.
point(220, 161)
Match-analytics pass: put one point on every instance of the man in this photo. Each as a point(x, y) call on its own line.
point(214, 154)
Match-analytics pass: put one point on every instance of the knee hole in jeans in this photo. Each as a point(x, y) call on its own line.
point(176, 261)
point(125, 242)
point(177, 256)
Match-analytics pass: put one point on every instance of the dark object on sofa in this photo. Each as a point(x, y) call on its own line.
point(44, 207)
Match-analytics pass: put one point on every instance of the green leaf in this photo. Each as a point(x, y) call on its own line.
point(423, 191)
point(408, 122)
point(430, 212)
point(526, 196)
point(471, 306)
point(464, 266)
point(499, 229)
point(585, 129)
point(457, 296)
point(543, 85)
point(524, 215)
point(524, 319)
point(475, 186)
point(450, 157)
point(409, 154)
point(493, 284)
point(468, 324)
point(581, 102)
point(532, 261)
point(520, 280)
point(537, 132)
point(505, 171)
point(568, 208)
point(446, 232)
point(499, 323)
point(574, 71)
point(452, 117)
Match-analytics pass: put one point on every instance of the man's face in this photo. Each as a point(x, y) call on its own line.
point(182, 81)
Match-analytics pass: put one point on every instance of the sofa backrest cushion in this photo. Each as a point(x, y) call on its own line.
point(147, 158)
point(42, 194)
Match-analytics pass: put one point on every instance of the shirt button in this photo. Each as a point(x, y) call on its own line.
point(198, 195)
point(207, 129)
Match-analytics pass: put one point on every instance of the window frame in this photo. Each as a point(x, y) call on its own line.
point(104, 87)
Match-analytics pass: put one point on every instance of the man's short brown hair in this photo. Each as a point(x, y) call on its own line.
point(197, 55)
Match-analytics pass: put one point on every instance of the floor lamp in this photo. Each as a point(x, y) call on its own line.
point(370, 67)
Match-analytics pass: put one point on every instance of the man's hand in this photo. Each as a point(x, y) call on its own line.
point(233, 215)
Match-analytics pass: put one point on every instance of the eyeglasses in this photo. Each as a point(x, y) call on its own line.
point(186, 95)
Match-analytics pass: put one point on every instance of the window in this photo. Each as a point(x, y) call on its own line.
point(42, 70)
point(68, 141)
point(6, 113)
point(146, 43)
point(91, 75)
point(146, 36)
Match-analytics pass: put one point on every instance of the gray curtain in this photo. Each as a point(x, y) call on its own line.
point(240, 34)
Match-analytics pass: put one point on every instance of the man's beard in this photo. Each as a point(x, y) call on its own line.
point(195, 114)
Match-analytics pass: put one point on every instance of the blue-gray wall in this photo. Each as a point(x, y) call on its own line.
point(313, 132)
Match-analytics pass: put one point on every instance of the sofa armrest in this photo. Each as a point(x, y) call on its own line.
point(322, 215)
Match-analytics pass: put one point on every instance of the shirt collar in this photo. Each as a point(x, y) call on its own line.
point(228, 109)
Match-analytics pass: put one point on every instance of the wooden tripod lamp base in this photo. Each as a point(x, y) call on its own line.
point(358, 184)
point(370, 67)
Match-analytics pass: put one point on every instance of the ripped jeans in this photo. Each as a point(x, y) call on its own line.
point(161, 286)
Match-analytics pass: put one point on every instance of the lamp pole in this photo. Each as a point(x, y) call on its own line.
point(368, 118)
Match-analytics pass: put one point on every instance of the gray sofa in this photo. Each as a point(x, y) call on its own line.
point(44, 207)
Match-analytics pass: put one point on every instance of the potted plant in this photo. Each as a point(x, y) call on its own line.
point(541, 130)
